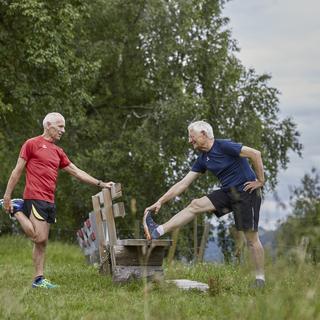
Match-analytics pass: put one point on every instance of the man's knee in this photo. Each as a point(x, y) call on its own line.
point(40, 240)
point(196, 206)
point(252, 239)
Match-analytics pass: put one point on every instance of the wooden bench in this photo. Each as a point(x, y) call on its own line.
point(124, 259)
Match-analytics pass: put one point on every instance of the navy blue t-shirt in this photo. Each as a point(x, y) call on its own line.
point(224, 161)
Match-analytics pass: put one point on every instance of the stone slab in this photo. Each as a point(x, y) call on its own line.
point(186, 284)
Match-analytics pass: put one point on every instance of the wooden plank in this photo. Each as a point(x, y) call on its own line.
point(116, 191)
point(172, 249)
point(195, 239)
point(118, 210)
point(137, 220)
point(144, 242)
point(105, 230)
point(100, 195)
point(100, 231)
point(127, 273)
point(109, 216)
point(94, 230)
point(204, 240)
point(111, 227)
point(139, 256)
point(105, 266)
point(95, 256)
point(100, 202)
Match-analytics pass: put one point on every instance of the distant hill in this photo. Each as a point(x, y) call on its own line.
point(213, 252)
point(267, 237)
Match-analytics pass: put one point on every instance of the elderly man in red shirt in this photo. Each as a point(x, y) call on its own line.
point(42, 158)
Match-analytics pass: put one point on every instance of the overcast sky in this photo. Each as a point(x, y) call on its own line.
point(282, 38)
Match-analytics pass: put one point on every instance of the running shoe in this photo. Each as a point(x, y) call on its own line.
point(17, 205)
point(258, 284)
point(44, 283)
point(150, 227)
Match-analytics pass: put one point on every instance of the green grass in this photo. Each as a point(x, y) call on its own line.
point(292, 292)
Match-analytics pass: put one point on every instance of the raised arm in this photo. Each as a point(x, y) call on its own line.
point(85, 177)
point(255, 157)
point(13, 180)
point(174, 191)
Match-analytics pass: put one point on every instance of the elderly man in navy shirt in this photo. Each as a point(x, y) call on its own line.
point(240, 190)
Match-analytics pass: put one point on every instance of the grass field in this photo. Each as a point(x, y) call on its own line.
point(292, 291)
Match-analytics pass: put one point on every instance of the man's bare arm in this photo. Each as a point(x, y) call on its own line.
point(81, 175)
point(255, 156)
point(13, 180)
point(174, 191)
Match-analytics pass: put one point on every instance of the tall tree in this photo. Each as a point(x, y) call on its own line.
point(168, 63)
point(41, 70)
point(129, 77)
point(304, 223)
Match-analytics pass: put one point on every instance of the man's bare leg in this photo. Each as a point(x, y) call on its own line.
point(197, 206)
point(256, 252)
point(38, 232)
point(26, 224)
point(188, 214)
point(40, 242)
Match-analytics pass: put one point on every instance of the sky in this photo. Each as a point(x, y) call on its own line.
point(282, 38)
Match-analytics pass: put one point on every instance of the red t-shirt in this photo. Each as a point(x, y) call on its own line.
point(43, 159)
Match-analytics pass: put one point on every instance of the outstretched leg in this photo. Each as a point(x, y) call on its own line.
point(197, 206)
point(186, 215)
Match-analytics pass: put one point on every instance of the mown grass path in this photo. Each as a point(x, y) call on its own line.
point(292, 291)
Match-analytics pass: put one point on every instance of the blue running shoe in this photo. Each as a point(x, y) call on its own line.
point(258, 284)
point(150, 227)
point(44, 283)
point(17, 205)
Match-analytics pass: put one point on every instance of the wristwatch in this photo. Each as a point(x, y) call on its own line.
point(99, 183)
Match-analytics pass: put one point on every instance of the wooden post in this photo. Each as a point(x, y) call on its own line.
point(100, 234)
point(172, 249)
point(204, 241)
point(111, 226)
point(302, 249)
point(240, 241)
point(133, 208)
point(195, 239)
point(108, 211)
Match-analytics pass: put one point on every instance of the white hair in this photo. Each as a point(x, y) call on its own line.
point(201, 125)
point(51, 117)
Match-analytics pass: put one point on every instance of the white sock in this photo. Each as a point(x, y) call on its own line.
point(160, 230)
point(260, 276)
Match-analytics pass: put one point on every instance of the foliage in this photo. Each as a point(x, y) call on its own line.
point(225, 241)
point(292, 293)
point(129, 77)
point(300, 234)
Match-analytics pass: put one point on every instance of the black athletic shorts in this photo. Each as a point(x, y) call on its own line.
point(42, 210)
point(244, 205)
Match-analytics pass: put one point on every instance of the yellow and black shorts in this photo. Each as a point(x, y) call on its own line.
point(42, 210)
